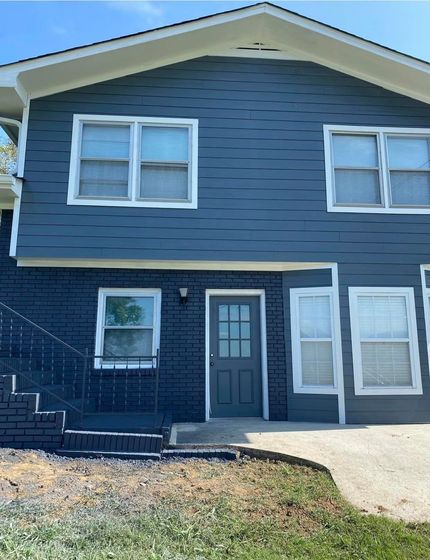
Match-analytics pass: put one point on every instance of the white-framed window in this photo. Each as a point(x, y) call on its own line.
point(133, 161)
point(384, 341)
point(128, 326)
point(313, 339)
point(377, 169)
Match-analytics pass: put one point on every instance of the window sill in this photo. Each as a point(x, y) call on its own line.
point(377, 210)
point(387, 391)
point(132, 204)
point(315, 390)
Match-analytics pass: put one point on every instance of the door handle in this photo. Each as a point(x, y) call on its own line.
point(211, 363)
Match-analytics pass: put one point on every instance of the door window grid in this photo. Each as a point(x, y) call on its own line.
point(234, 331)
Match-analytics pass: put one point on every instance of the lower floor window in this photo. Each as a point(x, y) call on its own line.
point(312, 336)
point(128, 326)
point(384, 341)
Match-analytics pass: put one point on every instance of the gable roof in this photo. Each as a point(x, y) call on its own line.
point(261, 26)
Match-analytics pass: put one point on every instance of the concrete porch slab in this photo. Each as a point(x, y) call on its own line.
point(379, 469)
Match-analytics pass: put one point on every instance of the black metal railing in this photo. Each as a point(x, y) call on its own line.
point(79, 381)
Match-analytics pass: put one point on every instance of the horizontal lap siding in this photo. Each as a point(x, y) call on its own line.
point(305, 407)
point(261, 168)
point(388, 408)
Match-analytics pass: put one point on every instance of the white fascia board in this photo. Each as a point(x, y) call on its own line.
point(264, 23)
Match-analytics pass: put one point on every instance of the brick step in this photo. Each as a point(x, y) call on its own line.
point(112, 442)
point(108, 455)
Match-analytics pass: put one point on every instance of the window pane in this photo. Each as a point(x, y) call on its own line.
point(355, 150)
point(105, 141)
point(408, 153)
point(386, 364)
point(129, 311)
point(246, 348)
point(124, 342)
point(103, 178)
point(382, 317)
point(244, 312)
point(245, 331)
point(223, 330)
point(160, 143)
point(234, 349)
point(223, 349)
point(234, 330)
point(315, 321)
point(234, 313)
point(357, 187)
point(410, 188)
point(166, 182)
point(317, 363)
point(223, 312)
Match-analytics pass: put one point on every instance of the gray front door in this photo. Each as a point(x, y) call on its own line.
point(235, 356)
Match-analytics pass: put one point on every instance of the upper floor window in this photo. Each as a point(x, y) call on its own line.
point(377, 169)
point(133, 161)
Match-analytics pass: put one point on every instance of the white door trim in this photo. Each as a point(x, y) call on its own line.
point(263, 333)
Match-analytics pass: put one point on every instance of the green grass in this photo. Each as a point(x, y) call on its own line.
point(290, 512)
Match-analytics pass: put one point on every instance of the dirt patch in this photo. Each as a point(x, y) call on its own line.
point(257, 489)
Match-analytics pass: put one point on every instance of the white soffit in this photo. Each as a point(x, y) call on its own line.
point(286, 34)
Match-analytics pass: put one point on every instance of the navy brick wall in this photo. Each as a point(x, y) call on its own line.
point(64, 301)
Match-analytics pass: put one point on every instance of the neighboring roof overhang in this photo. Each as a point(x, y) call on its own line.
point(293, 35)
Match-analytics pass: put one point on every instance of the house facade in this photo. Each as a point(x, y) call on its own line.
point(253, 210)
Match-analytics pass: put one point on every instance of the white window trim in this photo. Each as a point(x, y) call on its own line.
point(298, 387)
point(379, 132)
point(73, 188)
point(408, 293)
point(101, 310)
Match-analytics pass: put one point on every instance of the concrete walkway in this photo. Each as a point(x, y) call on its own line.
point(379, 469)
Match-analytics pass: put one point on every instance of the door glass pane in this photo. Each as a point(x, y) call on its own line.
point(103, 178)
point(223, 330)
point(234, 349)
point(129, 311)
point(162, 143)
point(244, 312)
point(127, 342)
point(410, 188)
point(357, 150)
point(357, 186)
point(234, 332)
point(234, 313)
point(224, 351)
point(245, 348)
point(223, 312)
point(105, 141)
point(408, 153)
point(164, 182)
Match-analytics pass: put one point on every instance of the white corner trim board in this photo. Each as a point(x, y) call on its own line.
point(357, 339)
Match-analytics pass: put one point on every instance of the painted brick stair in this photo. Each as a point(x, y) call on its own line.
point(78, 443)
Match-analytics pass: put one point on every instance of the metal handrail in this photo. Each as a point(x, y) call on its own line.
point(41, 329)
point(42, 388)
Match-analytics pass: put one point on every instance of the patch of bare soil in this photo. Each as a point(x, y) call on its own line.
point(250, 486)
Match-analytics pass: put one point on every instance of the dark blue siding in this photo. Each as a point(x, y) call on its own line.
point(64, 301)
point(261, 168)
point(303, 407)
point(262, 197)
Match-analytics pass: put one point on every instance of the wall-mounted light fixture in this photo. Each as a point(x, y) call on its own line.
point(183, 292)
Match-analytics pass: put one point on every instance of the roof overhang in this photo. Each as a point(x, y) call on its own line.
point(294, 36)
